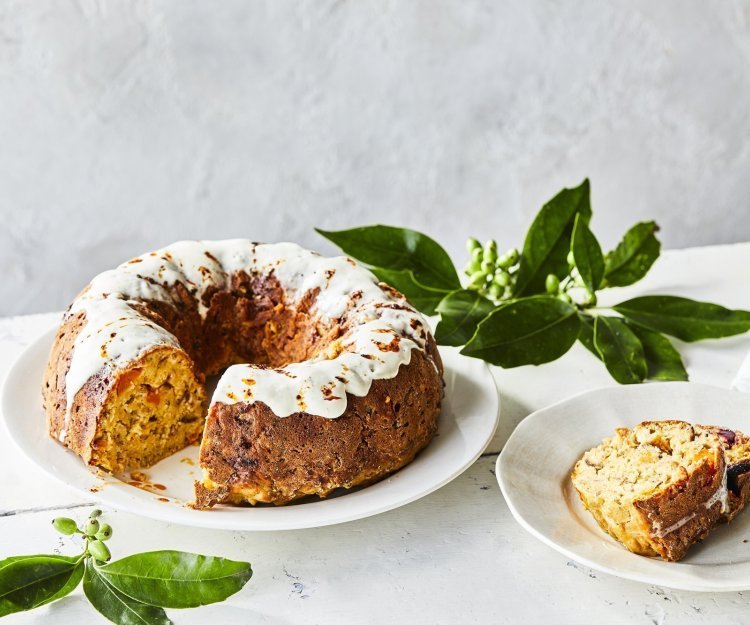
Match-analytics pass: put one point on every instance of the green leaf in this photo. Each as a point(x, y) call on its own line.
point(586, 334)
point(620, 350)
point(175, 579)
point(460, 313)
point(633, 256)
point(587, 254)
point(664, 361)
point(527, 331)
point(547, 243)
point(399, 249)
point(684, 318)
point(27, 582)
point(117, 606)
point(423, 298)
point(70, 585)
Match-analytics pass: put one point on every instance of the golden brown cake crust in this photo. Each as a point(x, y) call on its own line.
point(53, 388)
point(252, 455)
point(682, 500)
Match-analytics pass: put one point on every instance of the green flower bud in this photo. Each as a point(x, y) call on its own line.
point(473, 267)
point(501, 279)
point(91, 527)
point(64, 525)
point(472, 244)
point(571, 259)
point(552, 284)
point(510, 258)
point(477, 278)
point(496, 291)
point(487, 266)
point(95, 513)
point(99, 550)
point(477, 253)
point(564, 297)
point(105, 532)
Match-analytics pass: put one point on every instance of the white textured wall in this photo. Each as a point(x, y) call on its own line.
point(127, 125)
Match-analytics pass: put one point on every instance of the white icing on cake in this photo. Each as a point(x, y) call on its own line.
point(675, 526)
point(379, 339)
point(720, 495)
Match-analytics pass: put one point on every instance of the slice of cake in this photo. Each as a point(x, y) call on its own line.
point(661, 486)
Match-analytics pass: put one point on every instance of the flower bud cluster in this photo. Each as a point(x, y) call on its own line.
point(491, 274)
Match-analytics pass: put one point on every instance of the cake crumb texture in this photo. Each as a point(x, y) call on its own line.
point(662, 486)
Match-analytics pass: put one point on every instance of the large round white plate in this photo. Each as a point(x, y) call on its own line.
point(534, 475)
point(468, 420)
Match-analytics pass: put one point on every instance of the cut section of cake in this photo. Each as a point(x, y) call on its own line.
point(660, 487)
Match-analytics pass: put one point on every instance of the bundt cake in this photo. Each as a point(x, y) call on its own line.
point(330, 378)
point(663, 485)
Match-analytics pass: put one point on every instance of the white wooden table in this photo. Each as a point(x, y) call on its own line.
point(456, 556)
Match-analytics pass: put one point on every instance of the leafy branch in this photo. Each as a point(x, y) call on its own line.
point(131, 591)
point(530, 307)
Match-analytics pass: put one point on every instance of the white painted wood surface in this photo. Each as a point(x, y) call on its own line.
point(456, 556)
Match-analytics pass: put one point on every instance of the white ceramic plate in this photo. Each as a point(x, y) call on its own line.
point(468, 421)
point(534, 468)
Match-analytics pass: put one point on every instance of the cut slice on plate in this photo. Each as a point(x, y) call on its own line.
point(657, 488)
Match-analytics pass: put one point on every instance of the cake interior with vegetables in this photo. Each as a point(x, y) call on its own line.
point(328, 378)
point(662, 486)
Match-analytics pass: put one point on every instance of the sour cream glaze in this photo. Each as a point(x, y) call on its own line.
point(383, 328)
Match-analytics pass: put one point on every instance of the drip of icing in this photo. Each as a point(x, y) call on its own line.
point(720, 495)
point(383, 328)
point(675, 526)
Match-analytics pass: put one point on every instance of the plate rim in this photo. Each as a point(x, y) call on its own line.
point(234, 522)
point(692, 585)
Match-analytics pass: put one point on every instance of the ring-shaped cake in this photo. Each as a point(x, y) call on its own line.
point(329, 379)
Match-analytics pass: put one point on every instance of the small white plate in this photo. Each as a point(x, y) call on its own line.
point(534, 474)
point(468, 420)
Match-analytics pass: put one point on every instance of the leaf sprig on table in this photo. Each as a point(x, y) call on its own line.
point(131, 591)
point(530, 307)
